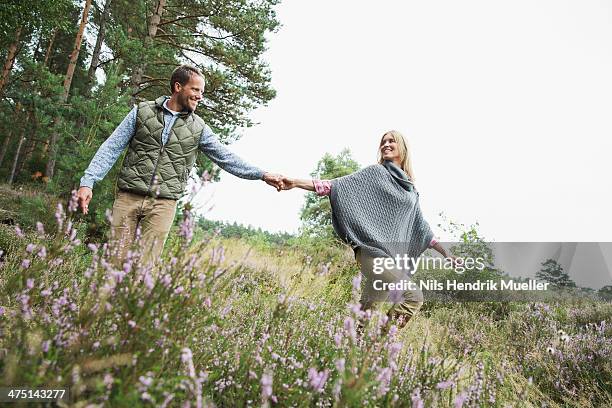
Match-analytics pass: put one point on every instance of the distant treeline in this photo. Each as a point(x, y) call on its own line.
point(235, 230)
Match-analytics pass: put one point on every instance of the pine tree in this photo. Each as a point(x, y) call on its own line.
point(553, 273)
point(316, 212)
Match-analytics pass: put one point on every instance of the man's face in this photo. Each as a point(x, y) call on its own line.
point(189, 95)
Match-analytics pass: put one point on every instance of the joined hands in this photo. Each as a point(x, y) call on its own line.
point(279, 181)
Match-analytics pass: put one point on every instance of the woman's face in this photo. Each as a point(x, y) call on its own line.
point(389, 150)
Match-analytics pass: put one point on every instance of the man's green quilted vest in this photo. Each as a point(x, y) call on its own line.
point(157, 170)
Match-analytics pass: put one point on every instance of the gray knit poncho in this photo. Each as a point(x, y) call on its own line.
point(377, 210)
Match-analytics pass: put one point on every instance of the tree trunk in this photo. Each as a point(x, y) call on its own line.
point(75, 51)
point(5, 146)
point(50, 47)
point(95, 56)
point(74, 56)
point(140, 69)
point(12, 176)
point(10, 60)
point(9, 137)
point(28, 151)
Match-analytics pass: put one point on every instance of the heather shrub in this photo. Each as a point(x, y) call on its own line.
point(232, 322)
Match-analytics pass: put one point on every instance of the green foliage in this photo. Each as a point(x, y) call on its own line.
point(605, 293)
point(553, 272)
point(40, 15)
point(205, 327)
point(26, 207)
point(235, 230)
point(316, 212)
point(200, 328)
point(226, 39)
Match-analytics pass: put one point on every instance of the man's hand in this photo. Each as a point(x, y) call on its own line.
point(275, 180)
point(84, 196)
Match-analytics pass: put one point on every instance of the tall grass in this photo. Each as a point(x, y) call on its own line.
point(221, 324)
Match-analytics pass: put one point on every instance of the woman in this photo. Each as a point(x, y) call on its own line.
point(376, 211)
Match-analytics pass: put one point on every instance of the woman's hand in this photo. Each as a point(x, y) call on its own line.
point(288, 183)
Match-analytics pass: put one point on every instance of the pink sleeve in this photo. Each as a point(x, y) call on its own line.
point(322, 187)
point(433, 242)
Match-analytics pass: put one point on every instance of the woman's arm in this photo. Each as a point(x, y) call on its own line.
point(439, 248)
point(436, 245)
point(321, 187)
point(304, 184)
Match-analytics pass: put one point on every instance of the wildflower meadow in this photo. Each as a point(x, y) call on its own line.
point(230, 322)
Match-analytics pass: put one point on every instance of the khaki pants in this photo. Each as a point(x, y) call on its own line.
point(404, 304)
point(153, 216)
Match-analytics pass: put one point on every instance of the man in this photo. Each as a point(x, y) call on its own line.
point(163, 138)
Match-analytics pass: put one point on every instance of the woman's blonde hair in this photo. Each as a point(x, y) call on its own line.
point(403, 150)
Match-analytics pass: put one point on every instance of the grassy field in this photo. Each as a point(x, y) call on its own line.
point(232, 322)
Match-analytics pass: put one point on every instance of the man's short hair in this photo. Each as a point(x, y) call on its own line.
point(182, 74)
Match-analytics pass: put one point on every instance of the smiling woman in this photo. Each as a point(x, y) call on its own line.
point(394, 147)
point(376, 211)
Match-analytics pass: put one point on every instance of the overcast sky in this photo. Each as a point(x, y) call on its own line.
point(507, 106)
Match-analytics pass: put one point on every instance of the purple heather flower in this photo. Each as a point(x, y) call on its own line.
point(145, 380)
point(18, 231)
point(42, 253)
point(186, 227)
point(73, 205)
point(349, 327)
point(30, 248)
point(187, 358)
point(45, 346)
point(384, 379)
point(56, 262)
point(266, 386)
point(357, 282)
point(444, 385)
point(417, 402)
point(340, 365)
point(25, 264)
point(29, 283)
point(317, 379)
point(92, 247)
point(394, 350)
point(59, 216)
point(460, 399)
point(108, 380)
point(148, 280)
